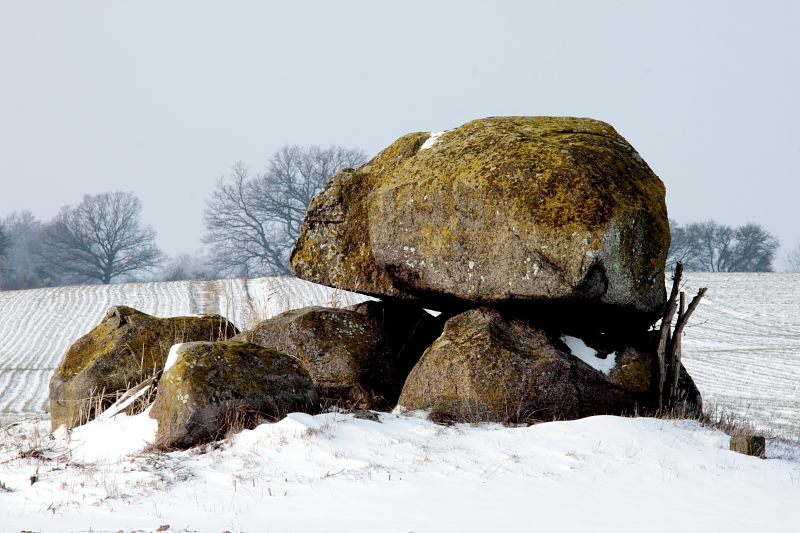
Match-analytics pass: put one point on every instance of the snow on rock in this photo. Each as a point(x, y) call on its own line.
point(172, 357)
point(588, 355)
point(433, 139)
point(334, 472)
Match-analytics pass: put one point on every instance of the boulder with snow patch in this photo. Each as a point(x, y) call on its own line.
point(345, 352)
point(561, 214)
point(125, 349)
point(489, 367)
point(209, 389)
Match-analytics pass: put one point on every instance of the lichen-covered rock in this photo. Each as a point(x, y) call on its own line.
point(344, 351)
point(486, 367)
point(126, 348)
point(499, 210)
point(334, 248)
point(209, 389)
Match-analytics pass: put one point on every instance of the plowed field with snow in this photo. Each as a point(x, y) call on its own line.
point(742, 345)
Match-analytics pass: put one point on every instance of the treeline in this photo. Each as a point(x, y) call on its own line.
point(713, 247)
point(252, 220)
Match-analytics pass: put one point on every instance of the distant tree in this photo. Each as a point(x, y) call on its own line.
point(712, 247)
point(5, 241)
point(186, 266)
point(792, 259)
point(679, 249)
point(252, 221)
point(99, 239)
point(20, 269)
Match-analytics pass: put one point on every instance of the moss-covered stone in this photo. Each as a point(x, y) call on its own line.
point(126, 348)
point(503, 209)
point(208, 388)
point(345, 352)
point(489, 367)
point(333, 248)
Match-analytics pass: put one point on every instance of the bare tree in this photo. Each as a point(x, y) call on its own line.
point(679, 248)
point(712, 247)
point(186, 266)
point(99, 239)
point(792, 259)
point(754, 249)
point(20, 268)
point(5, 241)
point(252, 221)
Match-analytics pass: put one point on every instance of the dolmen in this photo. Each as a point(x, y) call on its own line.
point(517, 270)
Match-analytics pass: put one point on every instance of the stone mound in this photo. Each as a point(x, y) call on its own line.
point(126, 348)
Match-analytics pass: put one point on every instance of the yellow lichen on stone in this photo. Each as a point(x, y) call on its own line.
point(333, 248)
point(198, 395)
point(542, 193)
point(126, 348)
point(499, 209)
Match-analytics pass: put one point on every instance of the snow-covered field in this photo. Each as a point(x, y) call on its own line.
point(334, 472)
point(742, 346)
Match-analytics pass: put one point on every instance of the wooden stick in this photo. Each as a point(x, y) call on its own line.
point(665, 336)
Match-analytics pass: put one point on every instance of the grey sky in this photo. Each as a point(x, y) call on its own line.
point(163, 97)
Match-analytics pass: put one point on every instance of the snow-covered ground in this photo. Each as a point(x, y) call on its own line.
point(334, 472)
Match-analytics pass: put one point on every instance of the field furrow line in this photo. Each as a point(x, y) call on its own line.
point(17, 392)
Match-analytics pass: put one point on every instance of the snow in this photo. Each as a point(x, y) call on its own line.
point(742, 346)
point(433, 139)
point(333, 472)
point(589, 355)
point(172, 357)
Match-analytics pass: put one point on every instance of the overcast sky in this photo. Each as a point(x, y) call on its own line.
point(161, 98)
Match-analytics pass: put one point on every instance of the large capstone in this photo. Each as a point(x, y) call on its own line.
point(211, 389)
point(125, 349)
point(557, 214)
point(488, 367)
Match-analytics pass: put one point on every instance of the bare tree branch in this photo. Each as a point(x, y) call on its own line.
point(99, 239)
point(252, 221)
point(712, 247)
